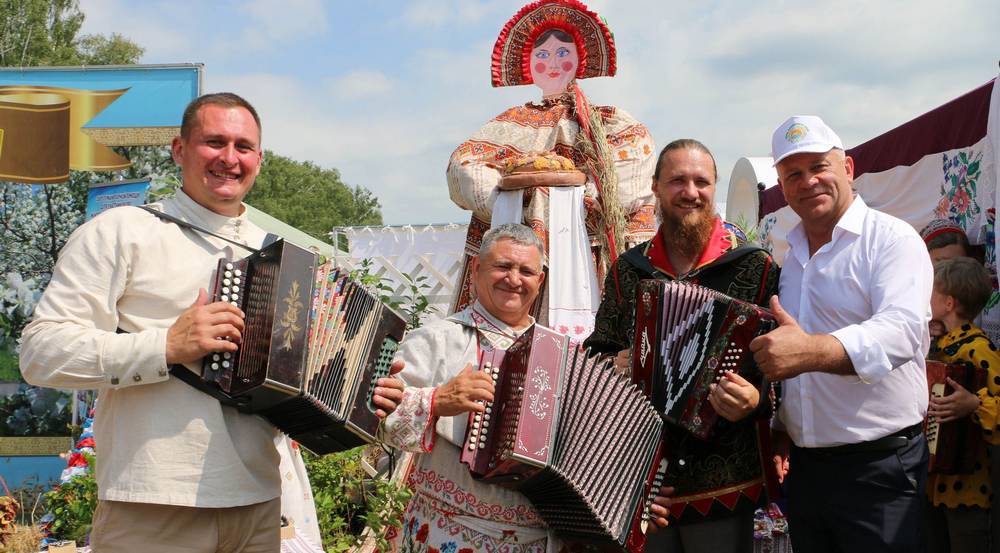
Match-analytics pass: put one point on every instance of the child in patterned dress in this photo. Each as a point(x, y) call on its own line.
point(959, 512)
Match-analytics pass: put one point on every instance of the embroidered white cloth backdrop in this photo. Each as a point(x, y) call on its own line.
point(431, 251)
point(572, 282)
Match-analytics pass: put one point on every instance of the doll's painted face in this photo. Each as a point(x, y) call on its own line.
point(553, 65)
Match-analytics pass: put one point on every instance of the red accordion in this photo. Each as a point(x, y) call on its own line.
point(686, 336)
point(577, 438)
point(953, 445)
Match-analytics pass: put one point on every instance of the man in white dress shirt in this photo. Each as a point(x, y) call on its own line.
point(178, 471)
point(855, 294)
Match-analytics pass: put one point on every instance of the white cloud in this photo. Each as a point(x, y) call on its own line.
point(359, 85)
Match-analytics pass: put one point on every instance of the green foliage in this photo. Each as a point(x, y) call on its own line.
point(35, 412)
point(412, 303)
point(751, 230)
point(311, 198)
point(347, 500)
point(72, 504)
point(45, 32)
point(8, 366)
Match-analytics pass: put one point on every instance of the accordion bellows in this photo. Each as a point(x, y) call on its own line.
point(686, 336)
point(575, 437)
point(314, 344)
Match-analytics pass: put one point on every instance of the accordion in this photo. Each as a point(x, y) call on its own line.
point(314, 344)
point(578, 439)
point(953, 445)
point(686, 337)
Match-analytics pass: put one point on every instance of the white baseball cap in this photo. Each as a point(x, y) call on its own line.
point(803, 133)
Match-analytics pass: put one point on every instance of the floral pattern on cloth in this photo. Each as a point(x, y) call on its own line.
point(427, 529)
point(770, 530)
point(958, 187)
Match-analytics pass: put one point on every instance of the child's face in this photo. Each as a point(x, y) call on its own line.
point(940, 305)
point(947, 252)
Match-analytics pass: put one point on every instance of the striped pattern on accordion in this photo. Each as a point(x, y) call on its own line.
point(686, 337)
point(314, 344)
point(578, 439)
point(953, 445)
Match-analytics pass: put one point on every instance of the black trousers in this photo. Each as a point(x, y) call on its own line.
point(858, 502)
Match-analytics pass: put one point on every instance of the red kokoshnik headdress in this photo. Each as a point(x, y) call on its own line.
point(595, 44)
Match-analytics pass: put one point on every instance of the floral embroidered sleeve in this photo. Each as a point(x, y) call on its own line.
point(411, 426)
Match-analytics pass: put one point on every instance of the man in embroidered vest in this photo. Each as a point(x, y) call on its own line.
point(854, 309)
point(716, 484)
point(450, 511)
point(178, 471)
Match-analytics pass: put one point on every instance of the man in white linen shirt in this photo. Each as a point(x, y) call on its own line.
point(855, 295)
point(178, 471)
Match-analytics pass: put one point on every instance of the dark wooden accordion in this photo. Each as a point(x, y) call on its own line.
point(953, 445)
point(578, 439)
point(686, 336)
point(314, 344)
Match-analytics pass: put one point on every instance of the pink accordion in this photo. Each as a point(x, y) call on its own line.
point(577, 438)
point(686, 336)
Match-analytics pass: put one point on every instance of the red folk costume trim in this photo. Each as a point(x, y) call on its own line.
point(595, 45)
point(720, 242)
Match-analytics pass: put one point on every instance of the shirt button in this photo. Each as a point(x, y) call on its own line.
point(163, 372)
point(137, 378)
point(114, 380)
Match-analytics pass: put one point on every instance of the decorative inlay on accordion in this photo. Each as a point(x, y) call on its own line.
point(578, 439)
point(953, 445)
point(686, 336)
point(314, 344)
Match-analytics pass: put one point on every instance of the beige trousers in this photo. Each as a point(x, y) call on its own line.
point(151, 528)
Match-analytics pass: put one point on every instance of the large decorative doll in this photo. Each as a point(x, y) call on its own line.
point(552, 44)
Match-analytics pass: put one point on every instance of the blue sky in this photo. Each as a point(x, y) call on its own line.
point(383, 91)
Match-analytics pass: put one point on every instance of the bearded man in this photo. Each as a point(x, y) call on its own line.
point(714, 485)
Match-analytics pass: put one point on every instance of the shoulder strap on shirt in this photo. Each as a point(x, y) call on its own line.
point(196, 228)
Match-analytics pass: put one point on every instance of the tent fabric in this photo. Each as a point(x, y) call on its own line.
point(943, 164)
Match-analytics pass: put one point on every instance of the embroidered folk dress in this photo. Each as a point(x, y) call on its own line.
point(450, 511)
point(968, 343)
point(474, 172)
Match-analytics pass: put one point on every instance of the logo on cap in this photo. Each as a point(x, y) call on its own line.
point(796, 132)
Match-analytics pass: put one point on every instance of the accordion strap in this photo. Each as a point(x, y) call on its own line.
point(196, 228)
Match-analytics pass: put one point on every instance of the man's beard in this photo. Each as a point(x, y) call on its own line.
point(688, 234)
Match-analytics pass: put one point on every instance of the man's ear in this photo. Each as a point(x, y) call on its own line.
point(849, 166)
point(177, 149)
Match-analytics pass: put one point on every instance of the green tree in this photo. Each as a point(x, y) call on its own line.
point(46, 32)
point(311, 198)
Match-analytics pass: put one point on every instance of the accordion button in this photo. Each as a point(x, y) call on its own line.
point(215, 366)
point(216, 357)
point(236, 289)
point(225, 364)
point(236, 281)
point(225, 289)
point(482, 445)
point(225, 297)
point(226, 355)
point(234, 303)
point(229, 266)
point(226, 281)
point(238, 272)
point(472, 447)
